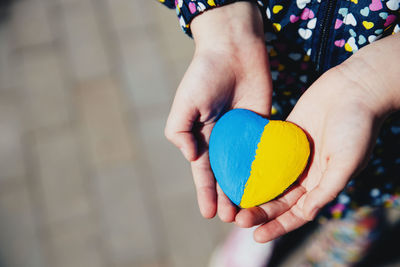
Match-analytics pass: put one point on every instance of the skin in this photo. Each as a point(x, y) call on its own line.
point(341, 112)
point(221, 76)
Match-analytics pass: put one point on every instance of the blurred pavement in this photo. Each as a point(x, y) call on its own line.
point(86, 175)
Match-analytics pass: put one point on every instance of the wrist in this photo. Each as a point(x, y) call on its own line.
point(229, 26)
point(379, 64)
point(375, 70)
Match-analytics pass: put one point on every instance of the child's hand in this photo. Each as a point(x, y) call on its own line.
point(230, 69)
point(342, 113)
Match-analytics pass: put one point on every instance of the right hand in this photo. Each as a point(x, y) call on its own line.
point(230, 69)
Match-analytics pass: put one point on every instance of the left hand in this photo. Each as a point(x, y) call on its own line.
point(342, 113)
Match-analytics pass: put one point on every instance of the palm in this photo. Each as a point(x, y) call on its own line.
point(213, 84)
point(342, 132)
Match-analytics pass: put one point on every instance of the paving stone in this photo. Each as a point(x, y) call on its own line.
point(30, 23)
point(171, 36)
point(144, 71)
point(12, 163)
point(169, 171)
point(191, 238)
point(20, 245)
point(109, 190)
point(85, 46)
point(102, 122)
point(129, 229)
point(130, 14)
point(61, 179)
point(144, 264)
point(44, 89)
point(68, 2)
point(8, 75)
point(75, 242)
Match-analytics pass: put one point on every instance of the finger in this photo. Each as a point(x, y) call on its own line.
point(178, 129)
point(205, 186)
point(268, 211)
point(333, 181)
point(247, 218)
point(285, 223)
point(226, 209)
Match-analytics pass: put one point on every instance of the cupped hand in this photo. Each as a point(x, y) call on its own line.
point(230, 69)
point(341, 115)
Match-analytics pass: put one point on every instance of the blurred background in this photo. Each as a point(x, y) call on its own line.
point(86, 175)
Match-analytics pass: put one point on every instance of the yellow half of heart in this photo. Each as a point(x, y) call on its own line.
point(355, 1)
point(368, 25)
point(277, 8)
point(211, 2)
point(281, 156)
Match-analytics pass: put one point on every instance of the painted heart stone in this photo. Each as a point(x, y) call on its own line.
point(254, 159)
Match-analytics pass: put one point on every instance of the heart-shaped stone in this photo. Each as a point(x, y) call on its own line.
point(254, 160)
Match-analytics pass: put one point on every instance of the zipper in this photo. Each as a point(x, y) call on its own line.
point(325, 29)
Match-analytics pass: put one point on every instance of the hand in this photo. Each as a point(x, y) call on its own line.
point(230, 69)
point(342, 113)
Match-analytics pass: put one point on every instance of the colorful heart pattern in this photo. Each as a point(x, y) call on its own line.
point(358, 22)
point(305, 33)
point(393, 4)
point(340, 43)
point(375, 5)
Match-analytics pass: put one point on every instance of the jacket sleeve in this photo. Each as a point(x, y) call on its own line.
point(168, 3)
point(187, 10)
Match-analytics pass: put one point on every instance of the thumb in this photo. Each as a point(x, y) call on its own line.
point(178, 129)
point(333, 181)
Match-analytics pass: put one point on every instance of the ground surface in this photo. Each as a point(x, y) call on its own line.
point(86, 175)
